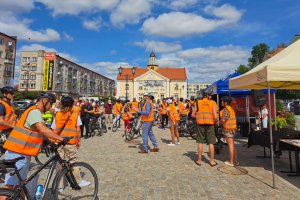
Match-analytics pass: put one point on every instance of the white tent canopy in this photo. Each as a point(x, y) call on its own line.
point(282, 71)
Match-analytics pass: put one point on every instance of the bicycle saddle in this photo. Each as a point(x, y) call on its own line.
point(11, 163)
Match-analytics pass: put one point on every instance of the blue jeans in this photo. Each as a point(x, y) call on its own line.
point(148, 132)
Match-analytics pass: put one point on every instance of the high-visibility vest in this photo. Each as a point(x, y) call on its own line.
point(70, 129)
point(173, 113)
point(134, 104)
point(23, 140)
point(126, 115)
point(231, 122)
point(117, 109)
point(191, 105)
point(216, 105)
point(10, 115)
point(204, 113)
point(182, 109)
point(163, 110)
point(76, 109)
point(150, 116)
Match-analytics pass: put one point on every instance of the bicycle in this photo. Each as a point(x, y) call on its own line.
point(71, 188)
point(132, 130)
point(101, 126)
point(117, 124)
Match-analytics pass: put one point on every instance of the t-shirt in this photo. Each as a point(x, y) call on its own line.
point(2, 110)
point(33, 117)
point(108, 108)
point(85, 115)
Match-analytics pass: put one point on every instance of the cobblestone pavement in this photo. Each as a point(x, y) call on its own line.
point(172, 174)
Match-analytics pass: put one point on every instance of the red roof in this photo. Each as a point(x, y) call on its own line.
point(170, 73)
point(271, 54)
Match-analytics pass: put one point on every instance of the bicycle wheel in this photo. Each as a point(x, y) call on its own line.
point(99, 130)
point(128, 133)
point(86, 178)
point(115, 126)
point(9, 194)
point(104, 128)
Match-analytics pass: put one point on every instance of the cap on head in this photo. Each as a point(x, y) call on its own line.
point(48, 95)
point(67, 101)
point(146, 94)
point(7, 89)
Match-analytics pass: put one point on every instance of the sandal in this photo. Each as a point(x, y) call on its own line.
point(199, 164)
point(213, 164)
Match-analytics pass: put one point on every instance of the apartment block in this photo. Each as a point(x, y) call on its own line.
point(47, 71)
point(193, 88)
point(7, 59)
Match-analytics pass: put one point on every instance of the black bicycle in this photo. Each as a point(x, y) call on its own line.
point(117, 124)
point(73, 181)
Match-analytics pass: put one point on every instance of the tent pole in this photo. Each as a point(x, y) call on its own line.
point(275, 111)
point(271, 134)
point(218, 103)
point(248, 113)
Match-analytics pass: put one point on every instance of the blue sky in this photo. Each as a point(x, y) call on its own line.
point(208, 37)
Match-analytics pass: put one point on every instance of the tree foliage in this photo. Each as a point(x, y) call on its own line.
point(242, 69)
point(258, 52)
point(288, 94)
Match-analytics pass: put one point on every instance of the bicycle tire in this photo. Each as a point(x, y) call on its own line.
point(115, 127)
point(45, 153)
point(87, 173)
point(128, 134)
point(104, 128)
point(5, 192)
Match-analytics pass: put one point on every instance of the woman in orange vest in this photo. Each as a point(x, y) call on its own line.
point(8, 118)
point(163, 112)
point(67, 123)
point(183, 111)
point(117, 108)
point(126, 113)
point(229, 129)
point(173, 121)
point(27, 136)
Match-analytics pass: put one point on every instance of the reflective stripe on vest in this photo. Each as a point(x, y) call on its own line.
point(231, 122)
point(10, 115)
point(173, 114)
point(150, 116)
point(70, 129)
point(23, 140)
point(204, 114)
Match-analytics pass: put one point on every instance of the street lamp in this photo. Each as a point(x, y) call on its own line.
point(133, 70)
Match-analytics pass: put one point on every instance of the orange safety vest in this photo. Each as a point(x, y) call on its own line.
point(163, 110)
point(231, 122)
point(182, 109)
point(117, 109)
point(76, 109)
point(24, 140)
point(150, 116)
point(191, 104)
point(135, 105)
point(173, 113)
point(10, 115)
point(204, 113)
point(126, 115)
point(70, 129)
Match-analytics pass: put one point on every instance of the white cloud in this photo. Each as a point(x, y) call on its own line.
point(21, 28)
point(17, 6)
point(158, 46)
point(68, 37)
point(130, 12)
point(76, 7)
point(93, 25)
point(37, 47)
point(179, 24)
point(181, 4)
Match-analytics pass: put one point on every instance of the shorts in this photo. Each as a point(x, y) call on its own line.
point(21, 164)
point(229, 133)
point(205, 134)
point(171, 124)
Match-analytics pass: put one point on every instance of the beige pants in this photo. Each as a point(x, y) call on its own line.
point(109, 120)
point(68, 153)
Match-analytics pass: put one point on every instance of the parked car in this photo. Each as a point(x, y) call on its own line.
point(21, 103)
point(296, 107)
point(289, 107)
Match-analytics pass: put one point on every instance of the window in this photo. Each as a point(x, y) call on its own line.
point(32, 76)
point(26, 59)
point(34, 59)
point(162, 96)
point(33, 68)
point(23, 85)
point(24, 77)
point(32, 85)
point(1, 41)
point(25, 68)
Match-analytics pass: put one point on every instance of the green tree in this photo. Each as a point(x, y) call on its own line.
point(288, 94)
point(242, 69)
point(258, 52)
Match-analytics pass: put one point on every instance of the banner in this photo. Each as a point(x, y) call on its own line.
point(49, 58)
point(50, 74)
point(46, 75)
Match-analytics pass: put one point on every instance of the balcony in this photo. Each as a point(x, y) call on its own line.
point(9, 61)
point(7, 74)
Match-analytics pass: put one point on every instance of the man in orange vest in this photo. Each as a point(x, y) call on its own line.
point(229, 129)
point(134, 104)
point(8, 118)
point(147, 117)
point(183, 112)
point(206, 116)
point(117, 108)
point(27, 136)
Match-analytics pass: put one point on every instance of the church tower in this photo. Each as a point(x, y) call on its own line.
point(152, 62)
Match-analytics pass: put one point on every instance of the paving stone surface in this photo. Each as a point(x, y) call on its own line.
point(171, 173)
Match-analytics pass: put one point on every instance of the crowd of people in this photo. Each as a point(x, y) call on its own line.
point(68, 117)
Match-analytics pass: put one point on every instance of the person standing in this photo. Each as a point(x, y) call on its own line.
point(117, 108)
point(206, 116)
point(27, 136)
point(147, 113)
point(8, 118)
point(163, 112)
point(87, 111)
point(108, 107)
point(229, 129)
point(263, 117)
point(183, 111)
point(134, 104)
point(173, 122)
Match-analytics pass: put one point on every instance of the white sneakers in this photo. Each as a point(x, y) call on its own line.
point(84, 183)
point(177, 143)
point(171, 145)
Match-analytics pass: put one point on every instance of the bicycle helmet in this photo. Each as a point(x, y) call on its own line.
point(7, 89)
point(49, 95)
point(67, 101)
point(226, 99)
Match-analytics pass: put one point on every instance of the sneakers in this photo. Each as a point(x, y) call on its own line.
point(171, 144)
point(84, 183)
point(228, 163)
point(177, 143)
point(61, 191)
